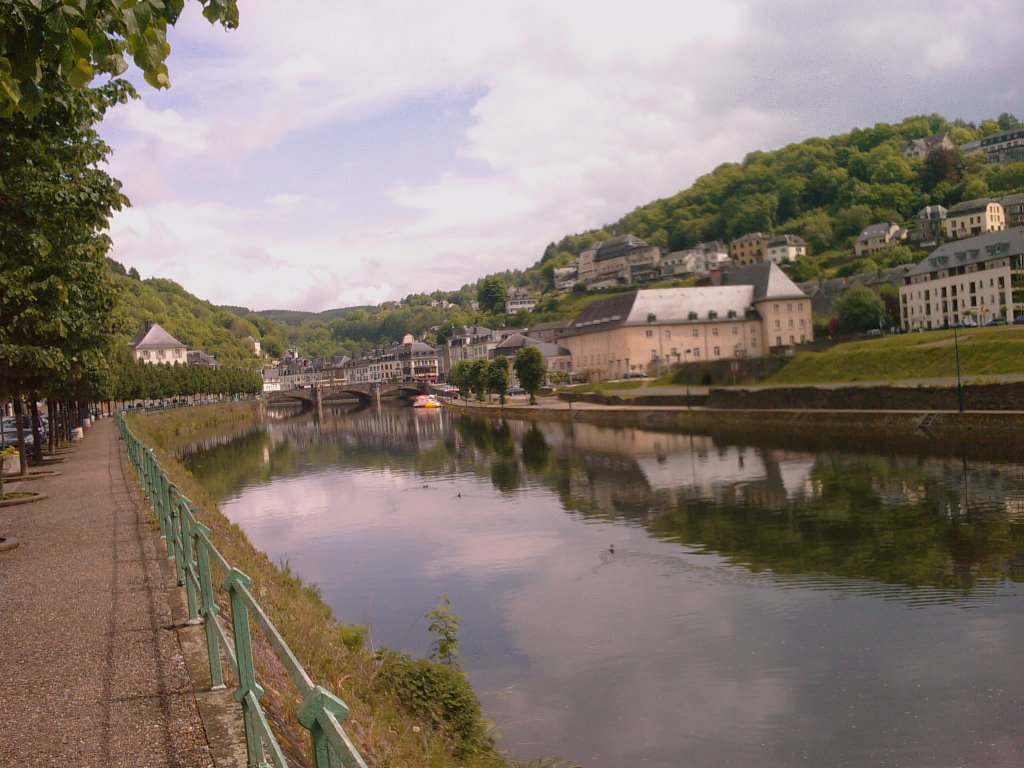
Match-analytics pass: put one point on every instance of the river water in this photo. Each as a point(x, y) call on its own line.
point(632, 598)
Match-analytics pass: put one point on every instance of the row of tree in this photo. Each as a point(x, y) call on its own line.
point(60, 326)
point(481, 377)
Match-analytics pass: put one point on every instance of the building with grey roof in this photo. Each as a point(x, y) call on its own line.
point(755, 311)
point(974, 280)
point(152, 344)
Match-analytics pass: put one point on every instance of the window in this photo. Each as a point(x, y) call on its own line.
point(668, 334)
point(778, 341)
point(696, 352)
point(718, 352)
point(789, 307)
point(650, 333)
point(696, 332)
point(778, 323)
point(735, 330)
point(714, 331)
point(161, 353)
point(776, 307)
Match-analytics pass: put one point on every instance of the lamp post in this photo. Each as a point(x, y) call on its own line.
point(686, 376)
point(959, 385)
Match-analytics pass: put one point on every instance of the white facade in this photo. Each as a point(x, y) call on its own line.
point(968, 281)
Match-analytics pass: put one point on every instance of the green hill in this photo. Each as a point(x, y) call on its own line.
point(824, 189)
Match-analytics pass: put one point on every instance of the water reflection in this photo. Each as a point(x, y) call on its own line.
point(643, 598)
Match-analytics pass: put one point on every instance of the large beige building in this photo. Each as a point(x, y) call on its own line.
point(753, 311)
point(970, 280)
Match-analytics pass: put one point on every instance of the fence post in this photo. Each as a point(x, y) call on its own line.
point(317, 705)
point(209, 608)
point(185, 515)
point(249, 691)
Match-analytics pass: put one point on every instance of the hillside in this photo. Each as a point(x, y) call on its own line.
point(824, 189)
point(193, 321)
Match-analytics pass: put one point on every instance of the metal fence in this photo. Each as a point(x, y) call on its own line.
point(195, 558)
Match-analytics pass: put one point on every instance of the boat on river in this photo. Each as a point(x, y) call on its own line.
point(426, 401)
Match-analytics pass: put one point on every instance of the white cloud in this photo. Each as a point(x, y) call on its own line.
point(579, 112)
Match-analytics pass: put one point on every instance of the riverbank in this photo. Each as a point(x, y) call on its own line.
point(402, 712)
point(670, 412)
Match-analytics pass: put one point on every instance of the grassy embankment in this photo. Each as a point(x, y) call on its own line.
point(403, 711)
point(890, 359)
point(929, 355)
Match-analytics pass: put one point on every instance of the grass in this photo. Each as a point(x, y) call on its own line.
point(928, 355)
point(387, 727)
point(603, 387)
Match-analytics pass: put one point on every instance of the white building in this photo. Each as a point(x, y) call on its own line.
point(786, 249)
point(976, 279)
point(153, 345)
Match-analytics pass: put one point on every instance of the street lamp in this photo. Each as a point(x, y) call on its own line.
point(959, 385)
point(686, 376)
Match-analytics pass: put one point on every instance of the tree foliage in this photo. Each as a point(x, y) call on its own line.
point(860, 309)
point(492, 294)
point(45, 46)
point(57, 303)
point(530, 369)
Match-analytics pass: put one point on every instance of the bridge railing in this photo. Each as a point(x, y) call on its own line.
point(196, 559)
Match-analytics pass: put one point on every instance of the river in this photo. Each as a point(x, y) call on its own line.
point(633, 598)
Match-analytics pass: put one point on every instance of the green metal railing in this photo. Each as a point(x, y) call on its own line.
point(195, 557)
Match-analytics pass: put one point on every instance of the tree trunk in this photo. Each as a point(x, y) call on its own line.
point(20, 427)
point(37, 435)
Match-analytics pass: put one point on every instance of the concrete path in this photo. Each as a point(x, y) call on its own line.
point(91, 670)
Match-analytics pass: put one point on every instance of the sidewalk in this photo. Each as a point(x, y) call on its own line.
point(91, 669)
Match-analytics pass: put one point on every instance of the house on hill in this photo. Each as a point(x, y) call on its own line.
point(921, 147)
point(153, 345)
point(622, 260)
point(974, 217)
point(878, 237)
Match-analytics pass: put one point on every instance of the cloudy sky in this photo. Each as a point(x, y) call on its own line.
point(331, 153)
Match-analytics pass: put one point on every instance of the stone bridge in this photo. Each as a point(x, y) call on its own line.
point(366, 393)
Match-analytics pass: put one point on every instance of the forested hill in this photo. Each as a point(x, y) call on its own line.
point(823, 189)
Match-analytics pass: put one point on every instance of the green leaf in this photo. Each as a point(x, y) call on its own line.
point(80, 74)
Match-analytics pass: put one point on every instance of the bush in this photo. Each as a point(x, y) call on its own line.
point(440, 692)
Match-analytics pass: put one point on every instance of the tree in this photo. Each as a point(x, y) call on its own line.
point(860, 309)
point(530, 369)
point(497, 377)
point(57, 301)
point(477, 378)
point(940, 165)
point(492, 294)
point(48, 45)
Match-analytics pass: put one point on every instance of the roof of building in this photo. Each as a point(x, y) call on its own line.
point(553, 325)
point(932, 212)
point(795, 240)
point(970, 206)
point(199, 357)
point(517, 341)
point(1016, 199)
point(972, 250)
point(152, 336)
point(665, 305)
point(768, 279)
point(880, 229)
point(618, 246)
point(751, 236)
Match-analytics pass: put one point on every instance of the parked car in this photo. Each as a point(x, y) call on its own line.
point(634, 375)
point(997, 321)
point(1018, 320)
point(516, 391)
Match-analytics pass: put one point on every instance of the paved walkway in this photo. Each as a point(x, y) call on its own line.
point(91, 670)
